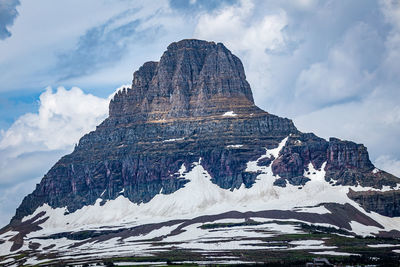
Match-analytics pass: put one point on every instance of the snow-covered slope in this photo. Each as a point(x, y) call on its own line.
point(185, 159)
point(200, 197)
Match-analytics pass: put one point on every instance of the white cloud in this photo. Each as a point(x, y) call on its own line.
point(47, 41)
point(361, 74)
point(248, 36)
point(36, 141)
point(332, 76)
point(344, 71)
point(63, 117)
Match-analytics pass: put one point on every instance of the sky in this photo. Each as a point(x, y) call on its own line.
point(331, 66)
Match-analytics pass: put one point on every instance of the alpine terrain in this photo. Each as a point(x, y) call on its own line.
point(187, 168)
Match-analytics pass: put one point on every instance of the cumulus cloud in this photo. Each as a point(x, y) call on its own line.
point(335, 77)
point(372, 114)
point(251, 37)
point(290, 48)
point(331, 65)
point(62, 118)
point(35, 141)
point(8, 13)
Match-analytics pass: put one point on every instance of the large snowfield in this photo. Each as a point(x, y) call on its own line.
point(200, 197)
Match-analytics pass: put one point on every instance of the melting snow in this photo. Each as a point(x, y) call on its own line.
point(7, 261)
point(206, 198)
point(319, 210)
point(173, 140)
point(102, 193)
point(367, 188)
point(309, 244)
point(142, 263)
point(5, 248)
point(229, 114)
point(362, 229)
point(335, 253)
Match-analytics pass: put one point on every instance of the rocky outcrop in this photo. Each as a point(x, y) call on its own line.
point(347, 163)
point(195, 103)
point(193, 78)
point(386, 203)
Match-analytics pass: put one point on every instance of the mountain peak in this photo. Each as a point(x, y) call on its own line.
point(192, 44)
point(186, 145)
point(193, 78)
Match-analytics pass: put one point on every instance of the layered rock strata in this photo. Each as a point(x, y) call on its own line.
point(195, 103)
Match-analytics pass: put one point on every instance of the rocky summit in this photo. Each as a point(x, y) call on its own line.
point(184, 146)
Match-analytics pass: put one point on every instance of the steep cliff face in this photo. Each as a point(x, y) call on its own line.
point(387, 202)
point(192, 79)
point(195, 103)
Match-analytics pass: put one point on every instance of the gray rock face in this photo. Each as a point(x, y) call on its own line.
point(386, 203)
point(193, 78)
point(194, 103)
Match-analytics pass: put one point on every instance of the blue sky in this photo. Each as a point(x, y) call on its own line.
point(331, 66)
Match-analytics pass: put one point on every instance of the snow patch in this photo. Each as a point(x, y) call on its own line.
point(8, 260)
point(173, 140)
point(229, 114)
point(385, 188)
point(364, 230)
point(252, 165)
point(334, 253)
point(319, 210)
point(309, 244)
point(141, 263)
point(207, 198)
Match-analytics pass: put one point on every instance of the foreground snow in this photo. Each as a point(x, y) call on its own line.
point(201, 197)
point(206, 198)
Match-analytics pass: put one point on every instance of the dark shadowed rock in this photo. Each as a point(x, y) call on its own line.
point(194, 103)
point(387, 202)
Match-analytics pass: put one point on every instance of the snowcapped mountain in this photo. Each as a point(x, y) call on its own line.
point(187, 162)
